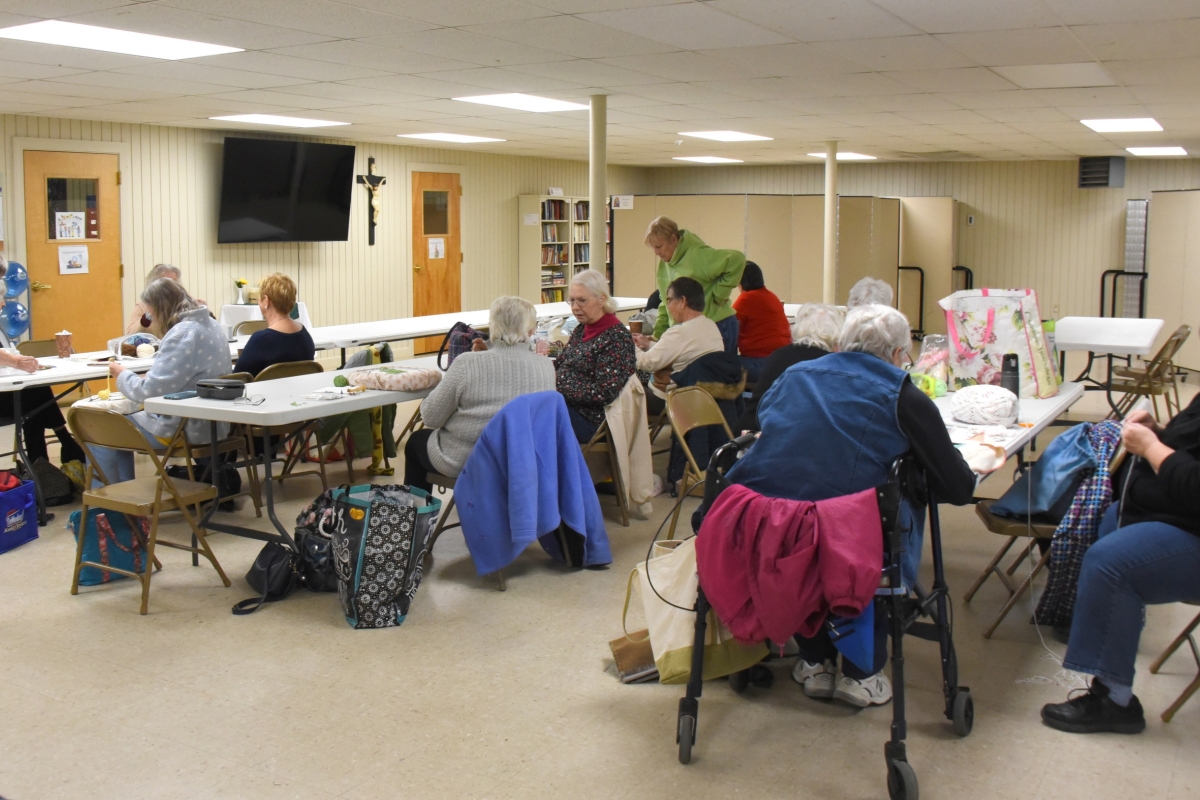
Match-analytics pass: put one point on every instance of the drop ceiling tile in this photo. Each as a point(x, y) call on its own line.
point(1166, 112)
point(286, 66)
point(207, 106)
point(1042, 128)
point(979, 129)
point(670, 112)
point(955, 117)
point(572, 36)
point(1132, 40)
point(469, 47)
point(353, 95)
point(314, 16)
point(684, 66)
point(689, 26)
point(297, 102)
point(766, 89)
point(456, 13)
point(1018, 47)
point(99, 93)
point(1167, 94)
point(1162, 72)
point(146, 83)
point(1046, 114)
point(27, 71)
point(67, 57)
point(858, 84)
point(896, 53)
point(869, 120)
point(1056, 76)
point(818, 20)
point(590, 72)
point(369, 56)
point(200, 73)
point(387, 112)
point(784, 60)
point(425, 87)
point(1073, 12)
point(163, 21)
point(57, 100)
point(1097, 96)
point(970, 79)
point(134, 114)
point(21, 107)
point(741, 109)
point(1012, 98)
point(937, 16)
point(685, 93)
point(53, 9)
point(504, 80)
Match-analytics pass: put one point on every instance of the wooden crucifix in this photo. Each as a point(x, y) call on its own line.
point(374, 184)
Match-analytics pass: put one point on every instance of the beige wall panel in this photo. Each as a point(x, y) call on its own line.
point(719, 220)
point(927, 227)
point(769, 241)
point(808, 248)
point(857, 246)
point(633, 262)
point(1167, 239)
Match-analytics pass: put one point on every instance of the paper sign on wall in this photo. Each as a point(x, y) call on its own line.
point(622, 201)
point(73, 260)
point(68, 225)
point(556, 191)
point(437, 248)
point(531, 219)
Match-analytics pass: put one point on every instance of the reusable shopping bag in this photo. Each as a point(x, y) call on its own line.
point(18, 511)
point(668, 583)
point(986, 324)
point(380, 535)
point(108, 539)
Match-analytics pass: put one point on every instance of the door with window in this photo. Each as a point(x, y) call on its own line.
point(437, 249)
point(73, 246)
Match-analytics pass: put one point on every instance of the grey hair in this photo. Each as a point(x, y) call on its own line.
point(868, 291)
point(817, 325)
point(167, 300)
point(163, 271)
point(875, 329)
point(597, 285)
point(511, 320)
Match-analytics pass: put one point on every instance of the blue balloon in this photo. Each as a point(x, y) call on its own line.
point(14, 319)
point(16, 280)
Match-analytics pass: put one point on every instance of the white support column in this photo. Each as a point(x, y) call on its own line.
point(831, 209)
point(598, 180)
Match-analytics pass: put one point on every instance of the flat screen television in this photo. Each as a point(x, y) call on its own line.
point(275, 190)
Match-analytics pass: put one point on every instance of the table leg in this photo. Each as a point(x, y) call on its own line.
point(282, 537)
point(19, 440)
point(268, 457)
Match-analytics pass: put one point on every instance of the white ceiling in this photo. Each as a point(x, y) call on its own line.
point(899, 79)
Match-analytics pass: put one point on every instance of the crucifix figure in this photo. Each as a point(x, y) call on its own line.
point(374, 184)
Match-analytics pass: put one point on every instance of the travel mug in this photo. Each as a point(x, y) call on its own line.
point(1010, 376)
point(62, 340)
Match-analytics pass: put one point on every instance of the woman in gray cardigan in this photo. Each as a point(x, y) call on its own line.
point(477, 385)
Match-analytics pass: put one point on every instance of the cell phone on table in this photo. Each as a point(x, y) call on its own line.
point(180, 395)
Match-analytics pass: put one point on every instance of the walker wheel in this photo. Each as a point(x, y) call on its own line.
point(902, 781)
point(963, 713)
point(687, 737)
point(738, 681)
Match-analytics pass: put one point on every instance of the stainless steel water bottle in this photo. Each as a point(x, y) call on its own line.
point(1010, 376)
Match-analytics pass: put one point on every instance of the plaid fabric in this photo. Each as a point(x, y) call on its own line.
point(1077, 531)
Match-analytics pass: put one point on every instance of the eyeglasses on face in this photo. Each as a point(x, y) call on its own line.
point(579, 301)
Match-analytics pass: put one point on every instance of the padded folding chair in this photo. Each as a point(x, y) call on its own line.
point(1156, 378)
point(1189, 637)
point(690, 408)
point(140, 497)
point(601, 458)
point(249, 326)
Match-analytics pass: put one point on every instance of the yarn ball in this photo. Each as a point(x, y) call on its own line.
point(984, 405)
point(145, 351)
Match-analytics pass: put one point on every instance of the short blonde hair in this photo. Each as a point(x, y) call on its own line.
point(511, 320)
point(817, 325)
point(661, 229)
point(280, 291)
point(597, 286)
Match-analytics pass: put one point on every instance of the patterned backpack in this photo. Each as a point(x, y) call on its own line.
point(379, 536)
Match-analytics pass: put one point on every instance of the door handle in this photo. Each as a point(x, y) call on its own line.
point(38, 286)
point(417, 267)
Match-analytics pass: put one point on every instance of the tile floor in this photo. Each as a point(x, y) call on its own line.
point(482, 694)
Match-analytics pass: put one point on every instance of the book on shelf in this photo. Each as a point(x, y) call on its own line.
point(581, 232)
point(550, 295)
point(554, 209)
point(553, 255)
point(582, 250)
point(549, 232)
point(581, 210)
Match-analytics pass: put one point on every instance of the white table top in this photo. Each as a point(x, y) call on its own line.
point(284, 403)
point(1037, 413)
point(66, 371)
point(1118, 336)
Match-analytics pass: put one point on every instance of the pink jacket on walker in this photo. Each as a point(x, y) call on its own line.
point(773, 567)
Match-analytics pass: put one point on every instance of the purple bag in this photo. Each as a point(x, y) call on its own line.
point(458, 340)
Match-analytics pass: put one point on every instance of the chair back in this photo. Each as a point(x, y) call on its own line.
point(103, 428)
point(289, 369)
point(244, 377)
point(38, 348)
point(691, 407)
point(249, 326)
point(1163, 359)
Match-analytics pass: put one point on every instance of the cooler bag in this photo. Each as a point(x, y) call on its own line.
point(380, 535)
point(109, 540)
point(18, 510)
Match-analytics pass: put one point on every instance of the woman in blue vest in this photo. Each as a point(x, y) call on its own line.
point(833, 426)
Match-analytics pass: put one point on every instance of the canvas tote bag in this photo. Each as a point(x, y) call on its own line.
point(984, 325)
point(672, 569)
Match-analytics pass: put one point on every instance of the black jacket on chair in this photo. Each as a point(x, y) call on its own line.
point(721, 375)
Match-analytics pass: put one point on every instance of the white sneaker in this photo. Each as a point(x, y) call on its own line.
point(817, 679)
point(873, 691)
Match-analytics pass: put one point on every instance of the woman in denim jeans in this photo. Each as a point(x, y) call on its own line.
point(1148, 553)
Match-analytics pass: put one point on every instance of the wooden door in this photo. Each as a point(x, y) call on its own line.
point(73, 246)
point(437, 248)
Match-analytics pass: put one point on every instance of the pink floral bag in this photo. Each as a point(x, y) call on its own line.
point(985, 324)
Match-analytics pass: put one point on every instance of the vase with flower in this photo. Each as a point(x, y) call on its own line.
point(240, 283)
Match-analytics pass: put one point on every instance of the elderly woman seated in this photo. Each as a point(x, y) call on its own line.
point(193, 348)
point(284, 339)
point(762, 322)
point(477, 385)
point(599, 358)
point(814, 334)
point(833, 426)
point(1148, 553)
point(870, 291)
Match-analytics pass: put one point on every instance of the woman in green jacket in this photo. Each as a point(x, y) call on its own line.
point(682, 254)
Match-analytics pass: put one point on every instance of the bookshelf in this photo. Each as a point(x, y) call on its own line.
point(553, 244)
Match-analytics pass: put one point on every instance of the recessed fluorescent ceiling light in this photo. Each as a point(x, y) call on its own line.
point(1157, 151)
point(111, 40)
point(458, 138)
point(845, 156)
point(727, 136)
point(709, 159)
point(523, 102)
point(1122, 125)
point(1057, 76)
point(271, 119)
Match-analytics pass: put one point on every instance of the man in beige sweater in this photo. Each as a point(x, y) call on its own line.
point(692, 335)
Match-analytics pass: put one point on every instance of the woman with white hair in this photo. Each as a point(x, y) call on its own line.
point(870, 291)
point(477, 385)
point(599, 358)
point(833, 427)
point(815, 333)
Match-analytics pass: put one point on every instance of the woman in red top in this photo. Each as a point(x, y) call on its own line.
point(763, 325)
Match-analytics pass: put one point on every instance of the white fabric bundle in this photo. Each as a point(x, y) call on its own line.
point(984, 405)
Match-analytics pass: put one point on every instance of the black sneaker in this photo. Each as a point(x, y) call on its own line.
point(1094, 712)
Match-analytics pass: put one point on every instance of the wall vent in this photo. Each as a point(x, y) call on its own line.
point(1102, 172)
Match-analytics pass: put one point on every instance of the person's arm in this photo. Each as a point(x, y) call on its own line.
point(13, 361)
point(727, 276)
point(172, 371)
point(1179, 474)
point(664, 352)
point(663, 320)
point(443, 401)
point(950, 479)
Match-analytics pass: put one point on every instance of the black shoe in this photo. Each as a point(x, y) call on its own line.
point(1094, 712)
